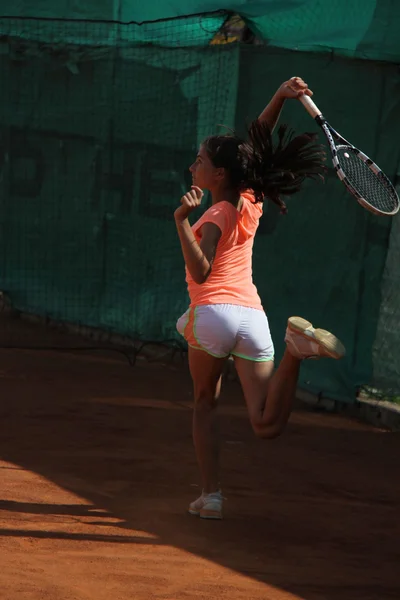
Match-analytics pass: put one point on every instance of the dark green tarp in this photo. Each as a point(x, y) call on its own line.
point(367, 29)
point(94, 151)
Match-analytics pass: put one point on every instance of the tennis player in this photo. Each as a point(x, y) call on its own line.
point(226, 317)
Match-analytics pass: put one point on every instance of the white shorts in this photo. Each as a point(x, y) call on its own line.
point(225, 329)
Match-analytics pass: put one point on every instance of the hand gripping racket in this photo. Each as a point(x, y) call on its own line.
point(361, 176)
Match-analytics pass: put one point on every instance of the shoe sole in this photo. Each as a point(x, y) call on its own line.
point(207, 514)
point(331, 345)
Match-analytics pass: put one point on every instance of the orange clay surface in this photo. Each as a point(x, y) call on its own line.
point(97, 469)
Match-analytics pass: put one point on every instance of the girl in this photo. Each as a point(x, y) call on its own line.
point(225, 317)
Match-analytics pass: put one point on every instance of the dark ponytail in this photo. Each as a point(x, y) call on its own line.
point(269, 171)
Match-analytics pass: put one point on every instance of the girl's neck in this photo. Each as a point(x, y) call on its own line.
point(227, 195)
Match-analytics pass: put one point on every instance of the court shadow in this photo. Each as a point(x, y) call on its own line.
point(314, 513)
point(87, 537)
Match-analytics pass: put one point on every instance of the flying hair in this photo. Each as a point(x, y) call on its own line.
point(269, 170)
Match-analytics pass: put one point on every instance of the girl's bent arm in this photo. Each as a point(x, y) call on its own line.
point(198, 257)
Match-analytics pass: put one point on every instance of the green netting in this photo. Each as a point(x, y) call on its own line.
point(325, 260)
point(386, 353)
point(95, 147)
point(59, 34)
point(64, 9)
point(367, 29)
point(95, 154)
point(358, 28)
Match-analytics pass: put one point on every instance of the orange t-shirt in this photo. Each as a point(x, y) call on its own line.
point(231, 277)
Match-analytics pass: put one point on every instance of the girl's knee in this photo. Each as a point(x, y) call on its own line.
point(205, 399)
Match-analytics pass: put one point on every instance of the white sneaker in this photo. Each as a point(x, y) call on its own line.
point(303, 341)
point(208, 506)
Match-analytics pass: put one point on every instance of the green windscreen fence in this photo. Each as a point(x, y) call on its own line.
point(98, 128)
point(96, 142)
point(367, 29)
point(329, 259)
point(386, 348)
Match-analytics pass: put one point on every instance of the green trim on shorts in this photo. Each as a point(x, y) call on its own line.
point(270, 359)
point(207, 351)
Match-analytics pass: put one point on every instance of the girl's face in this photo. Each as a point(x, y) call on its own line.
point(204, 174)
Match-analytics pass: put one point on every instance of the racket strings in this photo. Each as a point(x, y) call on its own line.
point(375, 188)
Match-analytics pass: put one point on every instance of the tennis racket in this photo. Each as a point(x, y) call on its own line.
point(361, 176)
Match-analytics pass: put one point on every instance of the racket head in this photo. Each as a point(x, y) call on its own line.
point(365, 180)
point(362, 177)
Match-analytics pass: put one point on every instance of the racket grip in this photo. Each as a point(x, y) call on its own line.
point(310, 106)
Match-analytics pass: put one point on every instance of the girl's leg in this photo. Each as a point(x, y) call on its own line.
point(206, 372)
point(210, 331)
point(269, 396)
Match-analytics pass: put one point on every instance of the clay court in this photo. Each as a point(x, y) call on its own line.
point(98, 468)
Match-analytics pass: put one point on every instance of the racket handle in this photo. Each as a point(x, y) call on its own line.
point(310, 106)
